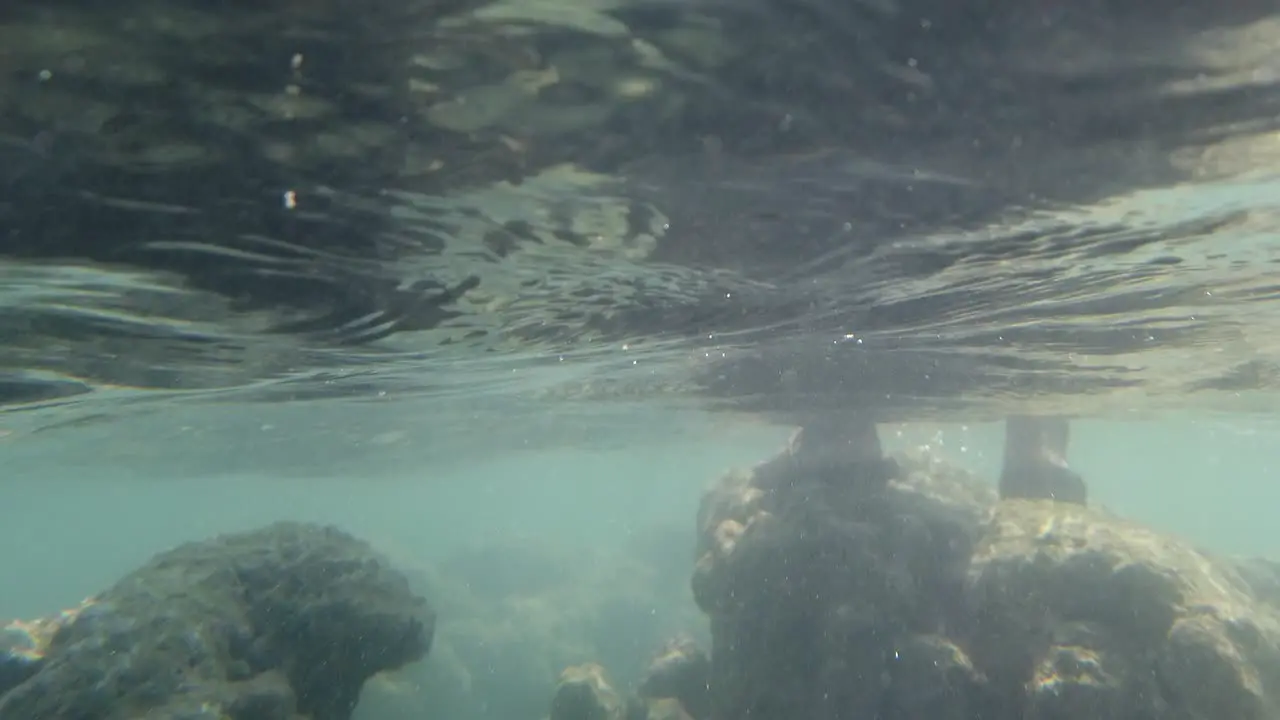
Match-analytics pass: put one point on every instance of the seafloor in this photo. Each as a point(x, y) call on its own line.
point(900, 589)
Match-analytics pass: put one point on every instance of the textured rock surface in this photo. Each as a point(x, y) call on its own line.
point(681, 672)
point(283, 623)
point(922, 597)
point(584, 693)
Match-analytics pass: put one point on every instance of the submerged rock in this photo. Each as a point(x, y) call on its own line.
point(585, 693)
point(674, 689)
point(927, 598)
point(680, 672)
point(282, 623)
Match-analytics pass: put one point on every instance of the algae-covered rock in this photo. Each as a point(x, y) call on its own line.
point(932, 678)
point(680, 672)
point(926, 598)
point(584, 693)
point(661, 709)
point(1106, 618)
point(282, 623)
point(23, 644)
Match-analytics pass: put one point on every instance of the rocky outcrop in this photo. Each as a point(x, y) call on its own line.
point(913, 593)
point(283, 623)
point(585, 693)
point(675, 688)
point(681, 673)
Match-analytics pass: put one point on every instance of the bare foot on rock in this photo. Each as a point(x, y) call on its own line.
point(1035, 461)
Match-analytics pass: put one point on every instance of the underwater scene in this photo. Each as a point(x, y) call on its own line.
point(639, 360)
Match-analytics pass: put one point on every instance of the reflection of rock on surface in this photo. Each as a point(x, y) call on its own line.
point(282, 623)
point(922, 597)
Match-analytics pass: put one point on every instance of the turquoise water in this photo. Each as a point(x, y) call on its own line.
point(586, 515)
point(505, 288)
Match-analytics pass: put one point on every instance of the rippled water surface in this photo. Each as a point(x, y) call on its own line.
point(777, 207)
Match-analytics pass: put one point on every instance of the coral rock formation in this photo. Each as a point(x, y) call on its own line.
point(681, 672)
point(584, 693)
point(282, 623)
point(924, 597)
point(675, 688)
